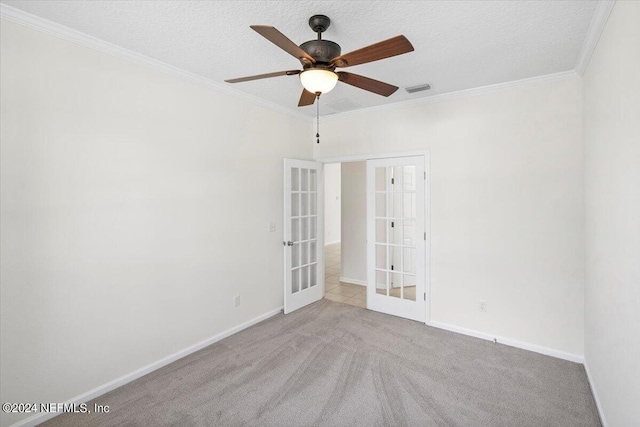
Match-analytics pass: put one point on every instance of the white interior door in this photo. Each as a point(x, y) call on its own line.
point(396, 238)
point(303, 236)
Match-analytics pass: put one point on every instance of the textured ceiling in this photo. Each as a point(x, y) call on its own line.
point(458, 44)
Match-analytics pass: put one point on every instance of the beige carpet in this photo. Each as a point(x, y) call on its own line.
point(331, 364)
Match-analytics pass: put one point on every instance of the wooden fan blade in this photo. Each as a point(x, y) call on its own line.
point(375, 86)
point(307, 98)
point(280, 40)
point(264, 76)
point(384, 49)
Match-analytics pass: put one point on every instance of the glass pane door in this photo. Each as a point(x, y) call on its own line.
point(303, 208)
point(304, 224)
point(396, 218)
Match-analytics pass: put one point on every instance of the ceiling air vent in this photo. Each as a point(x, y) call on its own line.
point(419, 88)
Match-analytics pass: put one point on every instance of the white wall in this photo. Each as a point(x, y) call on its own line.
point(332, 176)
point(134, 207)
point(354, 222)
point(506, 205)
point(611, 93)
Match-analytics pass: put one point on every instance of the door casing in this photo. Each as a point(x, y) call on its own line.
point(427, 198)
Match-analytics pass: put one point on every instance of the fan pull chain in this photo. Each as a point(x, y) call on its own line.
point(318, 120)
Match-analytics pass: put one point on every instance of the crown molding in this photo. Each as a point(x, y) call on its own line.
point(52, 28)
point(449, 96)
point(598, 22)
point(49, 27)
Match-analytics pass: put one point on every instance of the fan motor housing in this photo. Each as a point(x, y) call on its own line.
point(323, 51)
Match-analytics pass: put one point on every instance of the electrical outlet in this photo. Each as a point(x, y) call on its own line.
point(482, 306)
point(236, 300)
point(272, 227)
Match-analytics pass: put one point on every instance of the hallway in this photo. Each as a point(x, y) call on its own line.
point(335, 290)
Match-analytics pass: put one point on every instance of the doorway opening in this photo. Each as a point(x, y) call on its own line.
point(377, 252)
point(345, 233)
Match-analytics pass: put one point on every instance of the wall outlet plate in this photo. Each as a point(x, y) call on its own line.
point(482, 306)
point(236, 301)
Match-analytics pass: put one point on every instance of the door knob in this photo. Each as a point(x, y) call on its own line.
point(287, 243)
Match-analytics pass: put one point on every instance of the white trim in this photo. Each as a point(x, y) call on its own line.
point(508, 341)
point(353, 281)
point(498, 87)
point(603, 420)
point(52, 28)
point(427, 229)
point(127, 378)
point(320, 244)
point(365, 157)
point(598, 22)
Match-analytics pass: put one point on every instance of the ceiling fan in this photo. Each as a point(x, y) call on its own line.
point(320, 58)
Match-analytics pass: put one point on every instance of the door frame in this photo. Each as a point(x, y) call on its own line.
point(427, 212)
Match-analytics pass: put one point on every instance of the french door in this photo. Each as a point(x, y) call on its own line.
point(396, 237)
point(303, 233)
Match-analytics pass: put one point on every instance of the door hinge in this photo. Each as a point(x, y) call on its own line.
point(425, 175)
point(425, 235)
point(391, 180)
point(392, 268)
point(425, 296)
point(391, 224)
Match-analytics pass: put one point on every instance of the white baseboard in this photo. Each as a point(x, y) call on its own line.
point(353, 281)
point(335, 242)
point(603, 420)
point(127, 378)
point(508, 341)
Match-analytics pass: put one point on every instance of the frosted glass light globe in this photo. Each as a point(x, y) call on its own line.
point(315, 81)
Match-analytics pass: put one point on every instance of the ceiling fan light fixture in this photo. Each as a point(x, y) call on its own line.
point(318, 81)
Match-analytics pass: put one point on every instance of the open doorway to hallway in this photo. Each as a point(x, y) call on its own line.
point(338, 291)
point(345, 233)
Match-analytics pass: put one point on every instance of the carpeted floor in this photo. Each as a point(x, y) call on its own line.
point(331, 364)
